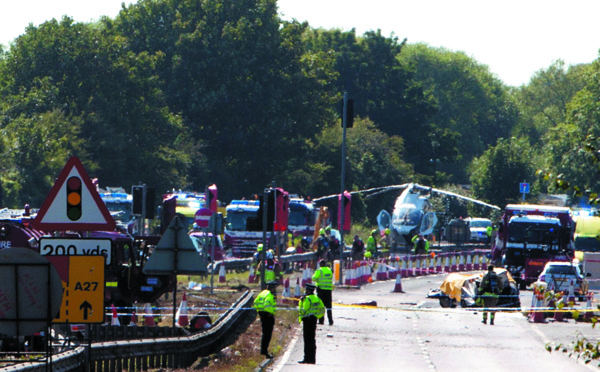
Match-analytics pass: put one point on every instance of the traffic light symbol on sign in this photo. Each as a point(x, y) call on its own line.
point(74, 198)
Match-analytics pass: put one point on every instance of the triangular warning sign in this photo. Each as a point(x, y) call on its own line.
point(74, 204)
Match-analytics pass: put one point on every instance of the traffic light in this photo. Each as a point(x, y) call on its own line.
point(74, 210)
point(211, 198)
point(282, 205)
point(344, 200)
point(349, 113)
point(138, 200)
point(143, 201)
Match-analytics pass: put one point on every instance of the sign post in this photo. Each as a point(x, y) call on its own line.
point(524, 188)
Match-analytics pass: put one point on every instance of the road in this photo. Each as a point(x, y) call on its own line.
point(409, 332)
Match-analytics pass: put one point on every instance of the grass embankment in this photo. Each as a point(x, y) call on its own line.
point(244, 354)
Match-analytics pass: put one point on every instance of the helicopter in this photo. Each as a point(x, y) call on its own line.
point(413, 213)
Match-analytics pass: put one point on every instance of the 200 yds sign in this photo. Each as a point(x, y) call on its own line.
point(76, 247)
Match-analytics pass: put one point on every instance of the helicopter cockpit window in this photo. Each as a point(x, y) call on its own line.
point(411, 216)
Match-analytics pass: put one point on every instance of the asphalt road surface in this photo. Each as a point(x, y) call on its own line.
point(409, 332)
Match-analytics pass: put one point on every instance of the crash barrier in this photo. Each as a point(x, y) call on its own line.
point(163, 352)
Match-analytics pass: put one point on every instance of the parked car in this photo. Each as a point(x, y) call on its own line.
point(478, 228)
point(560, 274)
point(459, 288)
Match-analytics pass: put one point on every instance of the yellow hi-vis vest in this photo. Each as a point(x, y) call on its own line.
point(265, 301)
point(310, 305)
point(323, 278)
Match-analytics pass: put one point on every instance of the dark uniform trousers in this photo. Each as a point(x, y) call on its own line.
point(325, 296)
point(309, 333)
point(267, 320)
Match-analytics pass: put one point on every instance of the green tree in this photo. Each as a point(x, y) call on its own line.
point(383, 88)
point(109, 94)
point(542, 103)
point(472, 105)
point(495, 175)
point(242, 80)
point(373, 159)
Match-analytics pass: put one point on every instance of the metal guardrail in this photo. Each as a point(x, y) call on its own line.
point(167, 352)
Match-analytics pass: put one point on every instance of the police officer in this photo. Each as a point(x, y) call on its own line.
point(489, 290)
point(372, 243)
point(266, 304)
point(310, 309)
point(323, 279)
point(421, 244)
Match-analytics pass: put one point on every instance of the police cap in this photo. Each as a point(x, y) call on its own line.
point(272, 283)
point(311, 286)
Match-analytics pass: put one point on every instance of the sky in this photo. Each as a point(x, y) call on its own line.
point(514, 38)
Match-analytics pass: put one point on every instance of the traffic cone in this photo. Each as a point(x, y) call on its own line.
point(354, 276)
point(297, 292)
point(134, 319)
point(438, 264)
point(181, 317)
point(222, 274)
point(537, 315)
point(149, 316)
point(461, 262)
point(483, 263)
point(398, 286)
point(392, 271)
point(589, 313)
point(115, 317)
point(447, 264)
point(571, 297)
point(476, 261)
point(251, 277)
point(285, 296)
point(403, 270)
point(454, 265)
point(469, 263)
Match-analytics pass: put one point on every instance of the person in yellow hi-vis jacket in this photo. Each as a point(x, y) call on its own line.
point(266, 305)
point(310, 309)
point(323, 279)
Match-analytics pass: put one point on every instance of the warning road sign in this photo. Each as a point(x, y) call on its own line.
point(74, 204)
point(83, 285)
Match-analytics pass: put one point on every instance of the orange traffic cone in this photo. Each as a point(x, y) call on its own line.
point(115, 317)
point(182, 314)
point(398, 286)
point(149, 316)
